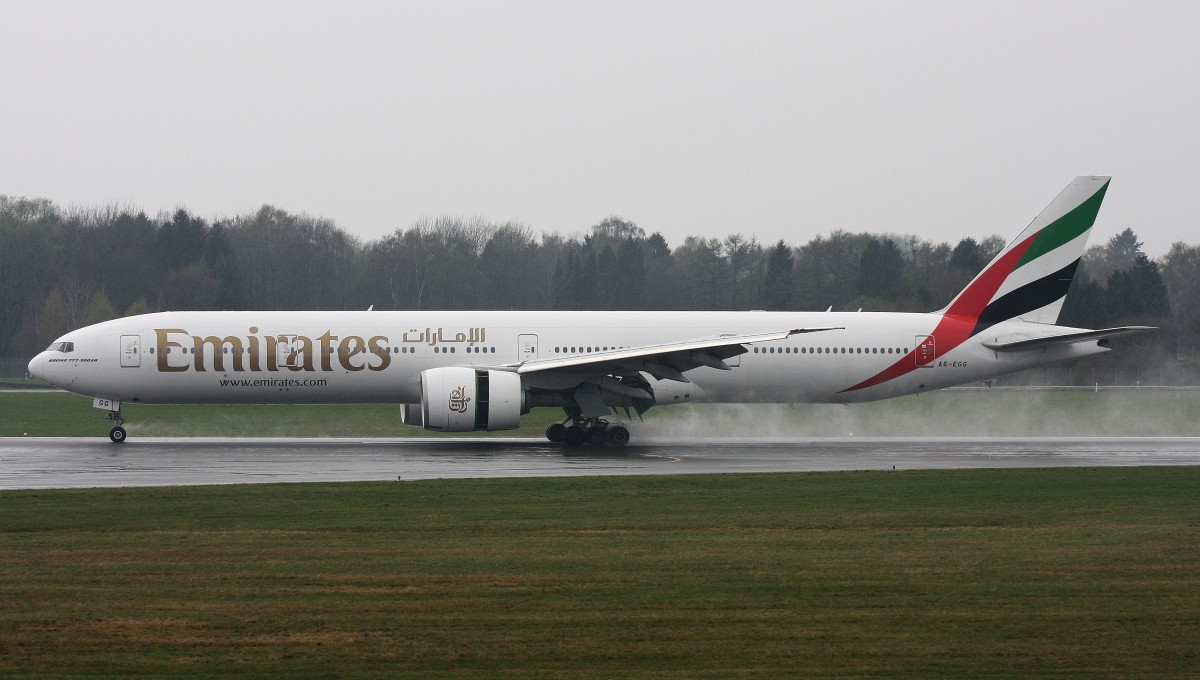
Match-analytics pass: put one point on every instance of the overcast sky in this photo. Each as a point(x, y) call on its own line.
point(773, 119)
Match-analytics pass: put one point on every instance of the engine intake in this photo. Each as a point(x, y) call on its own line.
point(462, 399)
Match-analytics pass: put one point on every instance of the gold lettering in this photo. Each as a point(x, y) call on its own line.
point(305, 361)
point(218, 346)
point(351, 345)
point(327, 350)
point(378, 345)
point(163, 349)
point(253, 349)
point(299, 352)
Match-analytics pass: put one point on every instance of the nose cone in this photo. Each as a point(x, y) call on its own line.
point(36, 367)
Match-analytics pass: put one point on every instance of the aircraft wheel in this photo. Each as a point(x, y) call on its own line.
point(555, 433)
point(618, 435)
point(117, 434)
point(596, 436)
point(574, 435)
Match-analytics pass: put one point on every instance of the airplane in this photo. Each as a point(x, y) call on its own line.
point(481, 370)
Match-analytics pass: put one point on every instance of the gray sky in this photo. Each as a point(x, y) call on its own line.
point(777, 119)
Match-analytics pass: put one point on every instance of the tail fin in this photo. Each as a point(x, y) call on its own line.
point(1029, 279)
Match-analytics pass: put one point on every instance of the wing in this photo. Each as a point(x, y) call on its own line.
point(591, 384)
point(668, 361)
point(1021, 345)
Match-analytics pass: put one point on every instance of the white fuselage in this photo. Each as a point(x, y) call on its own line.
point(360, 357)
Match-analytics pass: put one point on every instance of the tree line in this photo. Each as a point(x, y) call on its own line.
point(65, 268)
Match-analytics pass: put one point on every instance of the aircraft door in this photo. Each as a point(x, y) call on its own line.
point(926, 350)
point(285, 350)
point(527, 347)
point(131, 351)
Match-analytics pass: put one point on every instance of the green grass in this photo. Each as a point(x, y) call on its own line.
point(22, 383)
point(947, 413)
point(1007, 573)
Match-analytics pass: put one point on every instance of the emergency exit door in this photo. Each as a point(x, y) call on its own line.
point(286, 347)
point(926, 350)
point(527, 348)
point(131, 351)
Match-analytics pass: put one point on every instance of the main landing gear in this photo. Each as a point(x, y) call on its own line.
point(117, 434)
point(593, 432)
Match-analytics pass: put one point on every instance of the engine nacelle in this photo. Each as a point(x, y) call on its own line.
point(462, 399)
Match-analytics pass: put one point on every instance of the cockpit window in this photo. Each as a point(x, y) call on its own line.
point(61, 347)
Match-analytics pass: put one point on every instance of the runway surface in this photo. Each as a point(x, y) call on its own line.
point(78, 462)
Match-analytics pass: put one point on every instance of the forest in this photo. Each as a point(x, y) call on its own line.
point(62, 268)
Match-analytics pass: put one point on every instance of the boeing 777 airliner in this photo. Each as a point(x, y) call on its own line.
point(464, 371)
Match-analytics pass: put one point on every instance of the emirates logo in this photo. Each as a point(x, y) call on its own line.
point(459, 399)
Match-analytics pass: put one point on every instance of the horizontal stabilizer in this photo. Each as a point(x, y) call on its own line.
point(1063, 339)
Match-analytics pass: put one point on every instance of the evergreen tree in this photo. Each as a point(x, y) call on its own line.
point(1086, 305)
point(631, 275)
point(881, 270)
point(968, 257)
point(181, 241)
point(777, 283)
point(657, 248)
point(1137, 292)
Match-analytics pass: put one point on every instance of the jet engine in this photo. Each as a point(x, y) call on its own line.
point(463, 399)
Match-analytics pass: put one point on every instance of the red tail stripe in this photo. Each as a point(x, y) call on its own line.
point(958, 322)
point(972, 301)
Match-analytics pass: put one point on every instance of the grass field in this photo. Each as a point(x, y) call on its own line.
point(1066, 573)
point(947, 413)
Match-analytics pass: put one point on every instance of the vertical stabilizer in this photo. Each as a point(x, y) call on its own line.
point(1029, 279)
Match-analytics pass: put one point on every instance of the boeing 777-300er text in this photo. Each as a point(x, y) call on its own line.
point(464, 371)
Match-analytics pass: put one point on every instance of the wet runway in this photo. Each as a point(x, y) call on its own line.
point(78, 462)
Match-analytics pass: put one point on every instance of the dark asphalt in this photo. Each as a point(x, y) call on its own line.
point(79, 462)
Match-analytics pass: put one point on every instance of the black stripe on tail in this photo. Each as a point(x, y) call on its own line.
point(1031, 296)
